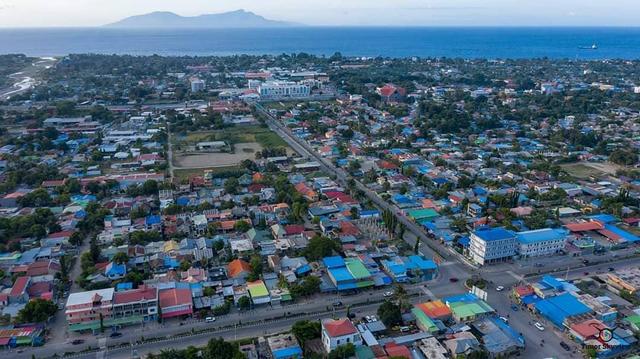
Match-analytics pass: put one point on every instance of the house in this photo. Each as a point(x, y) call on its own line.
point(115, 271)
point(135, 306)
point(337, 332)
point(258, 292)
point(238, 268)
point(284, 346)
point(175, 302)
point(391, 93)
point(348, 273)
point(18, 293)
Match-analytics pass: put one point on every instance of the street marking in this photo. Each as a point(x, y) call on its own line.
point(518, 277)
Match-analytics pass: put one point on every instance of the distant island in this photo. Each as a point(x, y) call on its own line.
point(232, 19)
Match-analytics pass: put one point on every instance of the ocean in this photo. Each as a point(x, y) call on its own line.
point(462, 42)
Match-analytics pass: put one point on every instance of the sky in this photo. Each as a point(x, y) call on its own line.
point(47, 13)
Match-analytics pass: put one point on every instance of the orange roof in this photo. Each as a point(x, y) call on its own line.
point(612, 236)
point(339, 327)
point(524, 290)
point(584, 226)
point(397, 351)
point(237, 267)
point(435, 309)
point(589, 328)
point(257, 177)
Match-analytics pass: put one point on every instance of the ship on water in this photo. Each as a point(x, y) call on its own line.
point(592, 47)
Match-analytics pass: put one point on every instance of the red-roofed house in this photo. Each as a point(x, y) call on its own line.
point(584, 226)
point(238, 268)
point(397, 351)
point(18, 293)
point(175, 302)
point(391, 93)
point(589, 329)
point(339, 332)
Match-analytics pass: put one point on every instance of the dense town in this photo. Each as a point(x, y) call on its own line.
point(320, 207)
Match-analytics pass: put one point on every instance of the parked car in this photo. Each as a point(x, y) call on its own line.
point(77, 342)
point(514, 307)
point(387, 294)
point(210, 319)
point(611, 269)
point(115, 335)
point(565, 346)
point(499, 288)
point(539, 326)
point(453, 279)
point(504, 320)
point(337, 303)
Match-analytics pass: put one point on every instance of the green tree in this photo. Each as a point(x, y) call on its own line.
point(343, 352)
point(241, 226)
point(120, 258)
point(244, 303)
point(95, 251)
point(217, 348)
point(256, 268)
point(231, 185)
point(305, 330)
point(36, 311)
point(319, 247)
point(389, 313)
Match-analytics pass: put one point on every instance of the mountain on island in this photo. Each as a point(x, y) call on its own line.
point(168, 20)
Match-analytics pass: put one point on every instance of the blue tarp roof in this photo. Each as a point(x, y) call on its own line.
point(603, 217)
point(151, 220)
point(530, 299)
point(332, 262)
point(493, 234)
point(540, 235)
point(340, 274)
point(552, 282)
point(423, 264)
point(622, 233)
point(464, 241)
point(558, 308)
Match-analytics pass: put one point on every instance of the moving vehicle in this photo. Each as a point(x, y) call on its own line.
point(77, 342)
point(387, 294)
point(565, 346)
point(499, 288)
point(539, 326)
point(337, 303)
point(453, 279)
point(504, 320)
point(115, 335)
point(210, 319)
point(514, 307)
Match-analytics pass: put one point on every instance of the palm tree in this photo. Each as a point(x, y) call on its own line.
point(401, 297)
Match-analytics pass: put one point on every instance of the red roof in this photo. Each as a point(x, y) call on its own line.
point(236, 267)
point(174, 297)
point(135, 295)
point(348, 228)
point(20, 286)
point(612, 236)
point(339, 327)
point(293, 229)
point(389, 89)
point(395, 350)
point(589, 328)
point(584, 226)
point(37, 289)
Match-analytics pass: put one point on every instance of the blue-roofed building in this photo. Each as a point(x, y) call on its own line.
point(557, 309)
point(541, 242)
point(115, 271)
point(492, 245)
point(421, 268)
point(348, 274)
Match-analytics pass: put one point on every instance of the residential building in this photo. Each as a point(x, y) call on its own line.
point(492, 245)
point(85, 310)
point(175, 302)
point(337, 332)
point(281, 89)
point(541, 242)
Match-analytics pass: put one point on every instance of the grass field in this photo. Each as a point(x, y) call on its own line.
point(581, 170)
point(238, 134)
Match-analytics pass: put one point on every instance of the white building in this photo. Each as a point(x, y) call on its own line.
point(197, 85)
point(492, 245)
point(277, 89)
point(541, 242)
point(339, 332)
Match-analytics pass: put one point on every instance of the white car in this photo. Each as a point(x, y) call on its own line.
point(387, 294)
point(539, 326)
point(504, 320)
point(210, 319)
point(499, 288)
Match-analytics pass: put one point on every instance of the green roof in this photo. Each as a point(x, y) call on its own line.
point(634, 320)
point(257, 290)
point(421, 214)
point(466, 310)
point(357, 268)
point(85, 326)
point(424, 320)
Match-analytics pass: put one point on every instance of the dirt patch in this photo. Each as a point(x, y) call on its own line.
point(242, 151)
